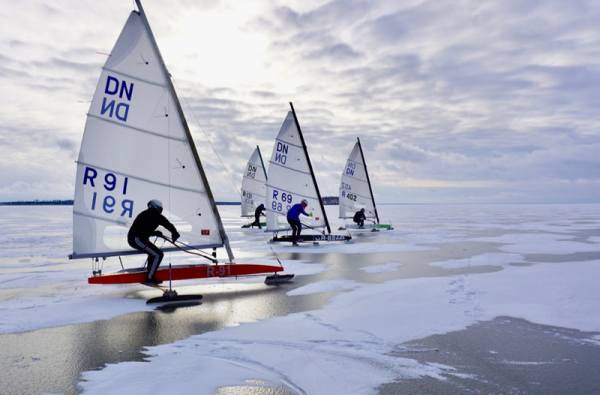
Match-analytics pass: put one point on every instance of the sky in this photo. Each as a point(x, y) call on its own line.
point(454, 101)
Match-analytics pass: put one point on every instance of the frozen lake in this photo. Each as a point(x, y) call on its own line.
point(360, 317)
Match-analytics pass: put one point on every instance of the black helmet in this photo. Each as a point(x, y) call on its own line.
point(155, 204)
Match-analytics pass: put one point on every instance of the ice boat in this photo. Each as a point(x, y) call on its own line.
point(356, 193)
point(253, 186)
point(290, 180)
point(137, 146)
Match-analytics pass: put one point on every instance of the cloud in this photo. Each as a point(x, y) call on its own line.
point(469, 101)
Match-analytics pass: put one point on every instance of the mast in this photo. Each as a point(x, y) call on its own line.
point(262, 163)
point(362, 156)
point(187, 132)
point(312, 173)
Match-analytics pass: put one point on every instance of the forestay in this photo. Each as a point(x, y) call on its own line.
point(290, 180)
point(355, 190)
point(136, 147)
point(253, 184)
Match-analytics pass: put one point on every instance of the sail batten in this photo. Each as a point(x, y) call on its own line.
point(136, 147)
point(161, 85)
point(288, 143)
point(99, 218)
point(289, 168)
point(136, 129)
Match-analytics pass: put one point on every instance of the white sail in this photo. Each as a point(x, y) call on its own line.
point(290, 180)
point(355, 190)
point(253, 184)
point(136, 147)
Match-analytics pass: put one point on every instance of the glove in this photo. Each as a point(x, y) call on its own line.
point(310, 214)
point(157, 233)
point(175, 235)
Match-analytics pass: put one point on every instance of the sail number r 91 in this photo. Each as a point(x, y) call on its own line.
point(108, 185)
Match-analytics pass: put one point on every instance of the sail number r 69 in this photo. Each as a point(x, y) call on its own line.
point(281, 200)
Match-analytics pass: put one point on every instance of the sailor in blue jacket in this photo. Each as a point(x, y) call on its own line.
point(293, 218)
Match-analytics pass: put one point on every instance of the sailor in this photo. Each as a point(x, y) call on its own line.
point(257, 213)
point(143, 227)
point(359, 217)
point(293, 218)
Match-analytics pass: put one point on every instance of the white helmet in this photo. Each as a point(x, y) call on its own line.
point(155, 203)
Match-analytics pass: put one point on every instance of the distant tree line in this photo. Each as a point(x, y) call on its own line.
point(36, 202)
point(329, 200)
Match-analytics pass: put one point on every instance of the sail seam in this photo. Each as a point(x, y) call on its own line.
point(289, 168)
point(288, 143)
point(354, 161)
point(255, 180)
point(136, 128)
point(142, 179)
point(355, 178)
point(123, 222)
point(134, 77)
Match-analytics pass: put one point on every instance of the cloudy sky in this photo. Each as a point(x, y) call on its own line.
point(454, 101)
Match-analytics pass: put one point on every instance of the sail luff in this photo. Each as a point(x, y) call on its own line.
point(362, 156)
point(186, 128)
point(312, 173)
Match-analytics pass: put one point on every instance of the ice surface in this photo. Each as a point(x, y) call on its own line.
point(385, 268)
point(346, 346)
point(480, 260)
point(324, 286)
point(541, 243)
point(316, 351)
point(350, 248)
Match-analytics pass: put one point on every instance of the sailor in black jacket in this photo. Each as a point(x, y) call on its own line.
point(143, 227)
point(359, 218)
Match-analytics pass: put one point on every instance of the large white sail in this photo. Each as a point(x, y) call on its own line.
point(253, 184)
point(355, 188)
point(290, 179)
point(137, 147)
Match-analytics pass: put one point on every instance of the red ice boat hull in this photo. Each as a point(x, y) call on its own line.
point(185, 273)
